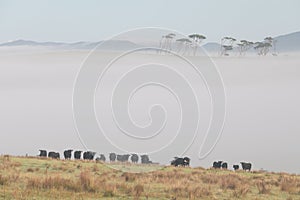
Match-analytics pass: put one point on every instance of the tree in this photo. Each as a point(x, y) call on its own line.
point(197, 38)
point(166, 41)
point(264, 47)
point(183, 45)
point(244, 46)
point(227, 45)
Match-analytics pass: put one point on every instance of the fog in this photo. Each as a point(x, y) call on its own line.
point(262, 119)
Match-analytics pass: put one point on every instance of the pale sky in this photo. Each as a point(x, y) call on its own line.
point(71, 21)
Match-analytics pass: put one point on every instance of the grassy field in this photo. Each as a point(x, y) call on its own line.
point(37, 178)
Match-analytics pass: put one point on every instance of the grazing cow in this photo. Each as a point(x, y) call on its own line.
point(112, 157)
point(43, 153)
point(68, 154)
point(77, 155)
point(89, 155)
point(186, 161)
point(134, 158)
point(101, 158)
point(119, 158)
point(54, 155)
point(224, 165)
point(246, 166)
point(177, 162)
point(236, 167)
point(123, 158)
point(217, 165)
point(145, 159)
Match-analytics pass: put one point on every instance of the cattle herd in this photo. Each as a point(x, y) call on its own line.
point(90, 155)
point(224, 165)
point(144, 159)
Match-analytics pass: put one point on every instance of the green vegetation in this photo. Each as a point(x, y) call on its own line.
point(37, 178)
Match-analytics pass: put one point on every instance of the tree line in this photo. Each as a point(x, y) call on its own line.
point(188, 45)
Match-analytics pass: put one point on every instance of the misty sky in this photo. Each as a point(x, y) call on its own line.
point(71, 21)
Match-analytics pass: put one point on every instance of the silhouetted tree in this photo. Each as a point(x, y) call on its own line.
point(227, 45)
point(166, 41)
point(183, 45)
point(197, 38)
point(244, 46)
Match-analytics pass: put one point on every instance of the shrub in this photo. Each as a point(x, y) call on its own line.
point(198, 192)
point(3, 180)
point(241, 191)
point(288, 184)
point(138, 190)
point(230, 182)
point(262, 187)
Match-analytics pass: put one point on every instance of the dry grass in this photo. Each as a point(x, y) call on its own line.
point(34, 178)
point(290, 184)
point(263, 187)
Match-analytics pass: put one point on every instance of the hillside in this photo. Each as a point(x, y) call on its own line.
point(36, 178)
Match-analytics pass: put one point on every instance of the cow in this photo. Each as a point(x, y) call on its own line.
point(145, 159)
point(112, 157)
point(177, 162)
point(217, 165)
point(246, 166)
point(77, 155)
point(54, 155)
point(123, 158)
point(101, 158)
point(89, 155)
point(224, 165)
point(134, 158)
point(68, 154)
point(236, 167)
point(43, 153)
point(186, 161)
point(119, 158)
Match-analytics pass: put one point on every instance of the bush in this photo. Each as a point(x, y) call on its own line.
point(262, 187)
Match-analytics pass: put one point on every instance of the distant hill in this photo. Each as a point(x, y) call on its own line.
point(289, 42)
point(108, 45)
point(212, 47)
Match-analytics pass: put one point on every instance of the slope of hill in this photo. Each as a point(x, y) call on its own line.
point(108, 45)
point(37, 178)
point(288, 43)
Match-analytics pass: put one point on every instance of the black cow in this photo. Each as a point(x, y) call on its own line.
point(236, 167)
point(186, 161)
point(177, 162)
point(101, 158)
point(89, 155)
point(123, 158)
point(217, 165)
point(134, 158)
point(246, 166)
point(68, 154)
point(224, 165)
point(77, 155)
point(112, 157)
point(54, 155)
point(145, 159)
point(119, 158)
point(43, 153)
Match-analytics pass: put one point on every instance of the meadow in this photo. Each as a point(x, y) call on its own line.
point(43, 178)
